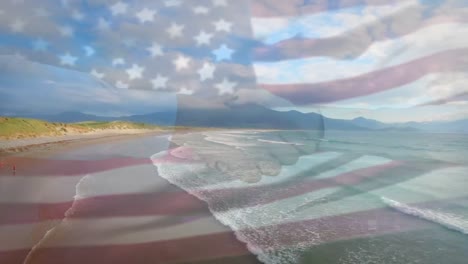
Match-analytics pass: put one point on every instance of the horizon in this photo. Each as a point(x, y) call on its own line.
point(97, 115)
point(100, 98)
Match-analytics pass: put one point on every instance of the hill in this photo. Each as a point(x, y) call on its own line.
point(17, 128)
point(241, 116)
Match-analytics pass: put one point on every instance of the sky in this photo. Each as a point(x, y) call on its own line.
point(31, 88)
point(32, 82)
point(435, 96)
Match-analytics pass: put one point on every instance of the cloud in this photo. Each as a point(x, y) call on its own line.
point(324, 24)
point(425, 42)
point(29, 87)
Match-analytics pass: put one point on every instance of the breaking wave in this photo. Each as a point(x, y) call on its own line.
point(447, 220)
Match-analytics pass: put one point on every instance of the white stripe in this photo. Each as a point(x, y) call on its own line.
point(23, 189)
point(360, 163)
point(425, 42)
point(441, 184)
point(56, 189)
point(23, 236)
point(324, 24)
point(104, 231)
point(303, 164)
point(430, 88)
point(436, 185)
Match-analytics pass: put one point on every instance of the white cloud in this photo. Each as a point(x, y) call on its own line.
point(325, 24)
point(425, 42)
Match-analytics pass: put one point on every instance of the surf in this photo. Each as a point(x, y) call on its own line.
point(447, 220)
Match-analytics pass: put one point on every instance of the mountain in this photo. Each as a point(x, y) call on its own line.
point(241, 116)
point(71, 117)
point(256, 116)
point(456, 126)
point(369, 123)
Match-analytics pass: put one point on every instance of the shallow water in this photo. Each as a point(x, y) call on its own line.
point(342, 197)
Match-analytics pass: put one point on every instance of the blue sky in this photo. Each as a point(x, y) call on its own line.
point(31, 88)
point(26, 86)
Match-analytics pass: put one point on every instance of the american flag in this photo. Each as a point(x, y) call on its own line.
point(111, 210)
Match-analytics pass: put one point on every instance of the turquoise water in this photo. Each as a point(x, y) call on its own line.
point(333, 197)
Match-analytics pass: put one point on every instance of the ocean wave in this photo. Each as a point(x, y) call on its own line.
point(447, 220)
point(247, 222)
point(229, 139)
point(280, 142)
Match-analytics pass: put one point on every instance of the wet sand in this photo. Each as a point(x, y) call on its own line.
point(200, 239)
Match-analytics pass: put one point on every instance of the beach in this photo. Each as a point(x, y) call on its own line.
point(53, 218)
point(237, 196)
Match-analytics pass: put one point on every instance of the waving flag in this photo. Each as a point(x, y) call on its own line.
point(108, 209)
point(209, 49)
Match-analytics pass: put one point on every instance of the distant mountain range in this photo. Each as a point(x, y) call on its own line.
point(255, 116)
point(457, 126)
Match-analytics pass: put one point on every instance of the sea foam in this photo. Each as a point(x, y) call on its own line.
point(448, 220)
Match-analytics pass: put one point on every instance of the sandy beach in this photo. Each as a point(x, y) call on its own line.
point(54, 142)
point(70, 208)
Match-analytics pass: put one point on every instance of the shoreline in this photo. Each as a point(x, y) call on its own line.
point(228, 248)
point(49, 143)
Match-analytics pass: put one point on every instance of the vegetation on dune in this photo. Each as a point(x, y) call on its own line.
point(17, 128)
point(114, 125)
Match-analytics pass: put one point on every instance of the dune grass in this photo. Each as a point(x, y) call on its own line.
point(16, 128)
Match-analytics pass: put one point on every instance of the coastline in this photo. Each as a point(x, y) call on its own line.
point(47, 143)
point(228, 248)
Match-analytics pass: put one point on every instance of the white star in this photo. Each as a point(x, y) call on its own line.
point(203, 38)
point(89, 50)
point(119, 8)
point(66, 31)
point(121, 85)
point(17, 25)
point(40, 45)
point(207, 71)
point(181, 62)
point(170, 3)
point(223, 53)
point(225, 87)
point(186, 91)
point(97, 74)
point(223, 25)
point(103, 24)
point(175, 30)
point(135, 72)
point(219, 3)
point(201, 10)
point(77, 15)
point(146, 15)
point(155, 50)
point(118, 61)
point(68, 59)
point(159, 82)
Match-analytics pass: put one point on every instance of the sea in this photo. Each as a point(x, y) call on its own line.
point(348, 197)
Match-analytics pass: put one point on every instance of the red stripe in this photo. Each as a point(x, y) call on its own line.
point(353, 43)
point(26, 166)
point(224, 244)
point(173, 202)
point(267, 194)
point(276, 8)
point(163, 203)
point(373, 82)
